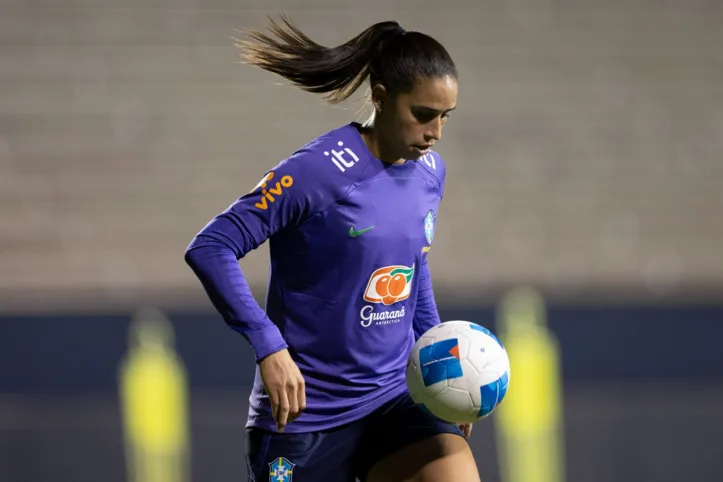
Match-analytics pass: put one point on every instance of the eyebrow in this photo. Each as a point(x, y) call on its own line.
point(431, 110)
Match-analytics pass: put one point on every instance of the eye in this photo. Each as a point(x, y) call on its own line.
point(424, 116)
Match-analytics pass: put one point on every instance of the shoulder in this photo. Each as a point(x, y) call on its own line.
point(433, 165)
point(330, 154)
point(318, 169)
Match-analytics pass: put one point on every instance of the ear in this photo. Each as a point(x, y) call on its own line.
point(379, 97)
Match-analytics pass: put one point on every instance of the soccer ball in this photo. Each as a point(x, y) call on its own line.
point(459, 371)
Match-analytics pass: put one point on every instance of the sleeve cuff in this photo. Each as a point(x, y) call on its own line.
point(266, 341)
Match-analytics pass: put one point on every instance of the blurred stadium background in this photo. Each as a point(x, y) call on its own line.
point(585, 160)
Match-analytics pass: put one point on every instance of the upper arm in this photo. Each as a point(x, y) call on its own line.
point(288, 194)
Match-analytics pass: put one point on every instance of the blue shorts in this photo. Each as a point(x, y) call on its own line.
point(344, 453)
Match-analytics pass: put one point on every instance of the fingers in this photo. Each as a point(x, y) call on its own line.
point(282, 414)
point(302, 397)
point(297, 398)
point(292, 401)
point(466, 429)
point(274, 397)
point(285, 387)
point(292, 393)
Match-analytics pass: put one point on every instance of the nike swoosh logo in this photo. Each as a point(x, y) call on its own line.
point(354, 233)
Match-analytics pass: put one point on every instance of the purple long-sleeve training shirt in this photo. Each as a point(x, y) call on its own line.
point(349, 289)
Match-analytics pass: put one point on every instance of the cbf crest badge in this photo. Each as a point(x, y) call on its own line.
point(281, 470)
point(429, 222)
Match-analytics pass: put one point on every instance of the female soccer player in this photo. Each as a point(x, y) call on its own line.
point(350, 218)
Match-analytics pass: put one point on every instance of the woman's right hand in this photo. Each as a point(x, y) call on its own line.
point(285, 387)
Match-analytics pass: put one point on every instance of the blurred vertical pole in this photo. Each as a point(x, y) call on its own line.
point(153, 399)
point(529, 426)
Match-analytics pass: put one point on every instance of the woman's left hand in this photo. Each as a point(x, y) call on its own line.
point(466, 429)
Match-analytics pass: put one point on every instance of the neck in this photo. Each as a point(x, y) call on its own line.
point(377, 146)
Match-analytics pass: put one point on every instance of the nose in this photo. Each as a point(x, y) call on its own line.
point(434, 131)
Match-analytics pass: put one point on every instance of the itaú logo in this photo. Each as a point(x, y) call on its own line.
point(270, 191)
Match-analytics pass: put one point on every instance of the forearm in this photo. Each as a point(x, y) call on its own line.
point(217, 268)
point(426, 314)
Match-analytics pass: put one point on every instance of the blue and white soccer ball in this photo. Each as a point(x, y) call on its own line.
point(459, 371)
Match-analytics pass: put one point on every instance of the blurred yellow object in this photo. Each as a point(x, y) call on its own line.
point(153, 397)
point(529, 424)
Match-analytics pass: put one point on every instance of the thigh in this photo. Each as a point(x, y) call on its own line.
point(440, 458)
point(286, 457)
point(402, 439)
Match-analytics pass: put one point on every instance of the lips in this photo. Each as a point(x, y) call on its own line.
point(423, 149)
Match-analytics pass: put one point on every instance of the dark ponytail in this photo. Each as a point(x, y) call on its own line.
point(384, 52)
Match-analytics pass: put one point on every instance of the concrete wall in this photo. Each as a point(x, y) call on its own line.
point(585, 156)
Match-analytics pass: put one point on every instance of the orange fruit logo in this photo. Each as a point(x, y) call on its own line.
point(389, 284)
